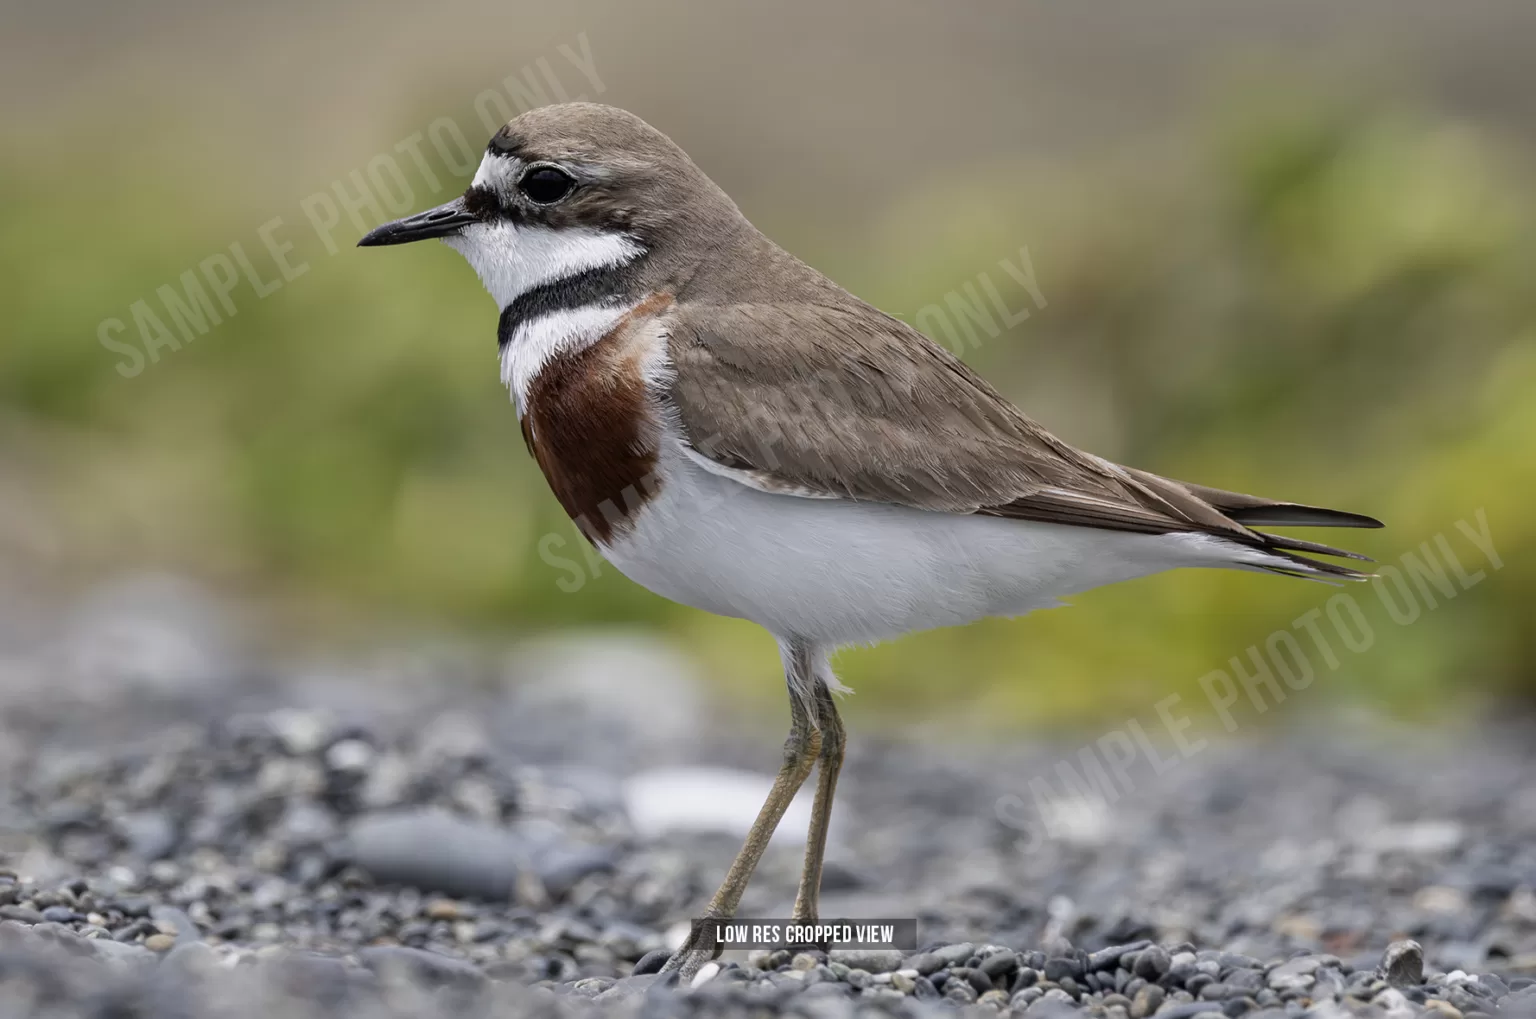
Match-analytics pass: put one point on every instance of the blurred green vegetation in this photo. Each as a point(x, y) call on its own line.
point(1331, 305)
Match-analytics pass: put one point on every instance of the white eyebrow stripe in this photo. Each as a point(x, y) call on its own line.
point(496, 171)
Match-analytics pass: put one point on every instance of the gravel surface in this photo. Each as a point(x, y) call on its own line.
point(222, 839)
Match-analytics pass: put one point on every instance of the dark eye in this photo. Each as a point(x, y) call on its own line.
point(546, 185)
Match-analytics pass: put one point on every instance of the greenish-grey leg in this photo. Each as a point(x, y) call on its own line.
point(800, 753)
point(808, 899)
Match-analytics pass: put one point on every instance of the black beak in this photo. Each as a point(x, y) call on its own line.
point(443, 221)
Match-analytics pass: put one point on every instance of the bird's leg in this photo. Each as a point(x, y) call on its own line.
point(800, 751)
point(808, 899)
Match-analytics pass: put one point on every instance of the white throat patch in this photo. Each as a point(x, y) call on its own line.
point(511, 260)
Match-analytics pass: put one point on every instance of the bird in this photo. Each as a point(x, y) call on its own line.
point(736, 432)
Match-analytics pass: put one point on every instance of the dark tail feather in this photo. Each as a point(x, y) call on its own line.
point(1290, 514)
point(1277, 541)
point(1314, 569)
point(1251, 511)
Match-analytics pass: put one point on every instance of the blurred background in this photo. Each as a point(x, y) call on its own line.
point(1284, 249)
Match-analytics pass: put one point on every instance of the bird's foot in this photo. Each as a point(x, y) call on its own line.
point(686, 963)
point(691, 957)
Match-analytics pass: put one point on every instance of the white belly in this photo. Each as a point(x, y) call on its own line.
point(843, 572)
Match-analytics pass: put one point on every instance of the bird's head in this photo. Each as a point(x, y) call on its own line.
point(569, 188)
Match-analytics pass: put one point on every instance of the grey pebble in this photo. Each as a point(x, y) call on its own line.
point(150, 835)
point(561, 866)
point(1000, 964)
point(651, 962)
point(926, 963)
point(193, 956)
point(435, 851)
point(1146, 1001)
point(119, 954)
point(869, 960)
point(1403, 964)
point(1187, 1009)
point(426, 967)
point(1294, 975)
point(1063, 967)
point(954, 955)
point(1151, 963)
point(170, 920)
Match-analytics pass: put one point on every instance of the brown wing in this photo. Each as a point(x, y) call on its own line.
point(850, 403)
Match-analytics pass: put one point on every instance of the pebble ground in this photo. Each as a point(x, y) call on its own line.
point(287, 843)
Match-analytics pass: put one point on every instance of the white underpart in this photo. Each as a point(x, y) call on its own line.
point(511, 260)
point(835, 571)
point(534, 342)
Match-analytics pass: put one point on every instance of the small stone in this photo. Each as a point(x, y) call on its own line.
point(1442, 1008)
point(173, 921)
point(870, 960)
point(651, 962)
point(1151, 963)
point(954, 955)
point(1000, 965)
point(160, 942)
point(1147, 1001)
point(1403, 964)
point(1186, 1009)
point(1105, 959)
point(119, 954)
point(1025, 998)
point(926, 963)
point(435, 851)
point(904, 981)
point(591, 987)
point(1058, 968)
point(442, 909)
point(1295, 975)
point(1394, 1003)
point(560, 867)
point(426, 967)
point(192, 957)
point(21, 914)
point(150, 835)
point(1179, 974)
point(301, 732)
point(630, 988)
point(350, 755)
point(1051, 1003)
